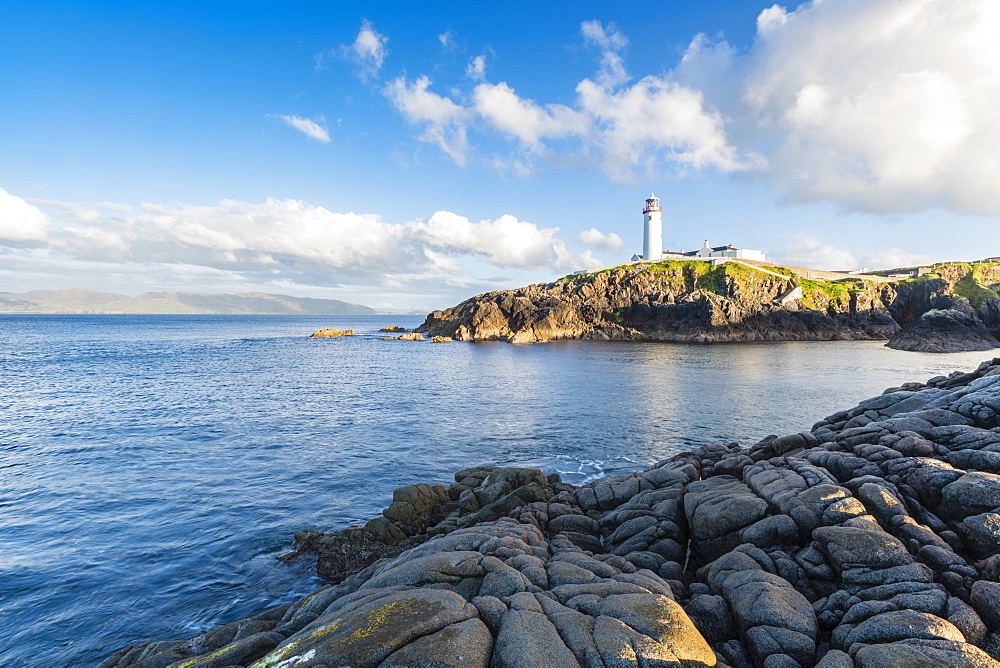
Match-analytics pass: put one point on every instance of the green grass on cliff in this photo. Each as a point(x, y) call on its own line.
point(973, 285)
point(976, 282)
point(818, 295)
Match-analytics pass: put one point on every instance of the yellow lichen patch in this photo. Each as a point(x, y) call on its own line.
point(276, 656)
point(204, 657)
point(323, 630)
point(378, 618)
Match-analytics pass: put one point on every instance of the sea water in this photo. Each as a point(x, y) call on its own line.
point(152, 468)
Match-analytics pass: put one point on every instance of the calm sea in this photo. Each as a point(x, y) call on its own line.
point(152, 467)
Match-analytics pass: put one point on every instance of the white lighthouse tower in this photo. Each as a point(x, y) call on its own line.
point(652, 237)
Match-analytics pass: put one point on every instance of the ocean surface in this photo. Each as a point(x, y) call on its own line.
point(153, 467)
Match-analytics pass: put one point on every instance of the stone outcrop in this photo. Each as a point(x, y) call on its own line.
point(695, 301)
point(947, 331)
point(393, 328)
point(871, 540)
point(408, 336)
point(331, 333)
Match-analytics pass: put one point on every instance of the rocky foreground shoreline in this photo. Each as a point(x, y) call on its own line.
point(872, 540)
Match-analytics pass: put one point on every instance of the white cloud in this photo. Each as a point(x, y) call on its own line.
point(445, 122)
point(300, 243)
point(502, 108)
point(893, 258)
point(597, 239)
point(21, 223)
point(873, 105)
point(447, 39)
point(880, 105)
point(367, 52)
point(505, 241)
point(804, 250)
point(476, 69)
point(809, 251)
point(308, 127)
point(610, 41)
point(656, 126)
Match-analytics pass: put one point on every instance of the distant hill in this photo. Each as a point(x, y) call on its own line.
point(79, 300)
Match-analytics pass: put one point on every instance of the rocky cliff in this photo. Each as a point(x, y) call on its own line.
point(871, 540)
point(695, 301)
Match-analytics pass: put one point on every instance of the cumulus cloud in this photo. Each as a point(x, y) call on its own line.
point(306, 126)
point(655, 126)
point(367, 52)
point(610, 40)
point(893, 258)
point(21, 223)
point(447, 39)
point(476, 69)
point(296, 242)
point(530, 123)
point(808, 251)
point(594, 238)
point(875, 105)
point(445, 122)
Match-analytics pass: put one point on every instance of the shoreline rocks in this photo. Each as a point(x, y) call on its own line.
point(871, 540)
point(944, 331)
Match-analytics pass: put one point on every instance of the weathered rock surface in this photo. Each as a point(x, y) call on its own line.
point(946, 331)
point(694, 301)
point(331, 333)
point(393, 328)
point(872, 540)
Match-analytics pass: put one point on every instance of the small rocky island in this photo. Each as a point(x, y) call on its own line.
point(738, 300)
point(871, 540)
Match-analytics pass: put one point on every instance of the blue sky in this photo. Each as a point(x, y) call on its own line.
point(408, 155)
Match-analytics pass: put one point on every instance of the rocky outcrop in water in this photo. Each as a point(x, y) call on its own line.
point(331, 333)
point(695, 301)
point(871, 540)
point(408, 336)
point(944, 332)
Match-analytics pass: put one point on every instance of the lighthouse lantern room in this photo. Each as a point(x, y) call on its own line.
point(652, 238)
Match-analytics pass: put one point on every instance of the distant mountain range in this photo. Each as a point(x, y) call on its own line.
point(80, 300)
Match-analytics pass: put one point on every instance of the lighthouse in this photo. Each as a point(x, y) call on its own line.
point(652, 237)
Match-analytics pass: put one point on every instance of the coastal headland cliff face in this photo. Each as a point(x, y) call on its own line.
point(871, 540)
point(736, 301)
